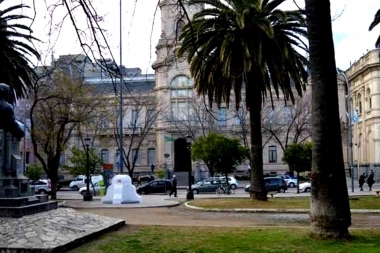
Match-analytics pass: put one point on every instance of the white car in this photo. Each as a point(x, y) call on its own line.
point(231, 181)
point(291, 182)
point(83, 190)
point(80, 181)
point(305, 187)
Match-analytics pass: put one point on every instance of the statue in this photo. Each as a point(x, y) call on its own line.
point(8, 121)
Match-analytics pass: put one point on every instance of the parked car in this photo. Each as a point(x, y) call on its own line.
point(83, 190)
point(42, 186)
point(144, 178)
point(80, 181)
point(156, 186)
point(231, 181)
point(207, 186)
point(290, 180)
point(272, 184)
point(305, 187)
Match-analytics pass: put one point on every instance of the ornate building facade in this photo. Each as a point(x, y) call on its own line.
point(363, 78)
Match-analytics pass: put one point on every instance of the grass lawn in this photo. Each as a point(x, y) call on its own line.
point(216, 239)
point(361, 202)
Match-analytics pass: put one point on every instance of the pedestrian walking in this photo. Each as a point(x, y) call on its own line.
point(174, 187)
point(138, 181)
point(371, 180)
point(361, 181)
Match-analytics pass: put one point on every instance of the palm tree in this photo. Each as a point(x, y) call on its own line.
point(16, 46)
point(375, 22)
point(251, 45)
point(330, 209)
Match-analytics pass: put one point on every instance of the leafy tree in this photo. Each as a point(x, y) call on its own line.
point(225, 57)
point(330, 208)
point(160, 173)
point(16, 48)
point(59, 104)
point(34, 171)
point(298, 157)
point(79, 161)
point(220, 153)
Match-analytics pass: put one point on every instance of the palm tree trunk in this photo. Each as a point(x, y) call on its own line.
point(330, 209)
point(254, 104)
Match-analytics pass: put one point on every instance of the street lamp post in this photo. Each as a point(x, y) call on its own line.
point(190, 194)
point(350, 144)
point(88, 195)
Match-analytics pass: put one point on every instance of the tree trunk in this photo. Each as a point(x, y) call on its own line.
point(53, 194)
point(254, 103)
point(330, 209)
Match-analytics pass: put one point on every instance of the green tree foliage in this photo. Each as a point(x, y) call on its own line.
point(34, 171)
point(250, 42)
point(160, 173)
point(16, 47)
point(78, 159)
point(220, 153)
point(298, 156)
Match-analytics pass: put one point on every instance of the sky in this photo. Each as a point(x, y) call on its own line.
point(141, 29)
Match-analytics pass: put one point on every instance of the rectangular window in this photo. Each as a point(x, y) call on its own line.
point(135, 118)
point(238, 117)
point(136, 152)
point(149, 115)
point(222, 121)
point(272, 152)
point(151, 156)
point(117, 159)
point(27, 157)
point(180, 110)
point(288, 114)
point(104, 155)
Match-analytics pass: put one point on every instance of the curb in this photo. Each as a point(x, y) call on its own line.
point(262, 210)
point(119, 206)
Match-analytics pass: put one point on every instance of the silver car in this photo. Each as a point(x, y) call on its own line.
point(207, 186)
point(42, 186)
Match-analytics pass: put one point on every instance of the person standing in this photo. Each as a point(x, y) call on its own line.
point(361, 181)
point(370, 180)
point(138, 181)
point(174, 187)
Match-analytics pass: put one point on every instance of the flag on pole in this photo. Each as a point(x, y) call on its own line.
point(355, 116)
point(168, 138)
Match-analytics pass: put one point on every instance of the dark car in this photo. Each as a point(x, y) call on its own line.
point(143, 178)
point(272, 184)
point(156, 186)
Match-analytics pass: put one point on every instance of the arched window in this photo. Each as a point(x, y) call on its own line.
point(181, 94)
point(369, 99)
point(359, 103)
point(179, 26)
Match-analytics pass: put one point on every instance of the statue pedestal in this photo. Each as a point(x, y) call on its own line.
point(17, 196)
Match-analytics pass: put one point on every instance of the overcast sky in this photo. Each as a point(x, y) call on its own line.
point(140, 35)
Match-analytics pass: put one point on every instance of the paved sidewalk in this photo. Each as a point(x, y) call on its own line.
point(148, 201)
point(53, 231)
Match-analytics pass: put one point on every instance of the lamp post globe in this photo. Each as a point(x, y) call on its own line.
point(88, 195)
point(190, 194)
